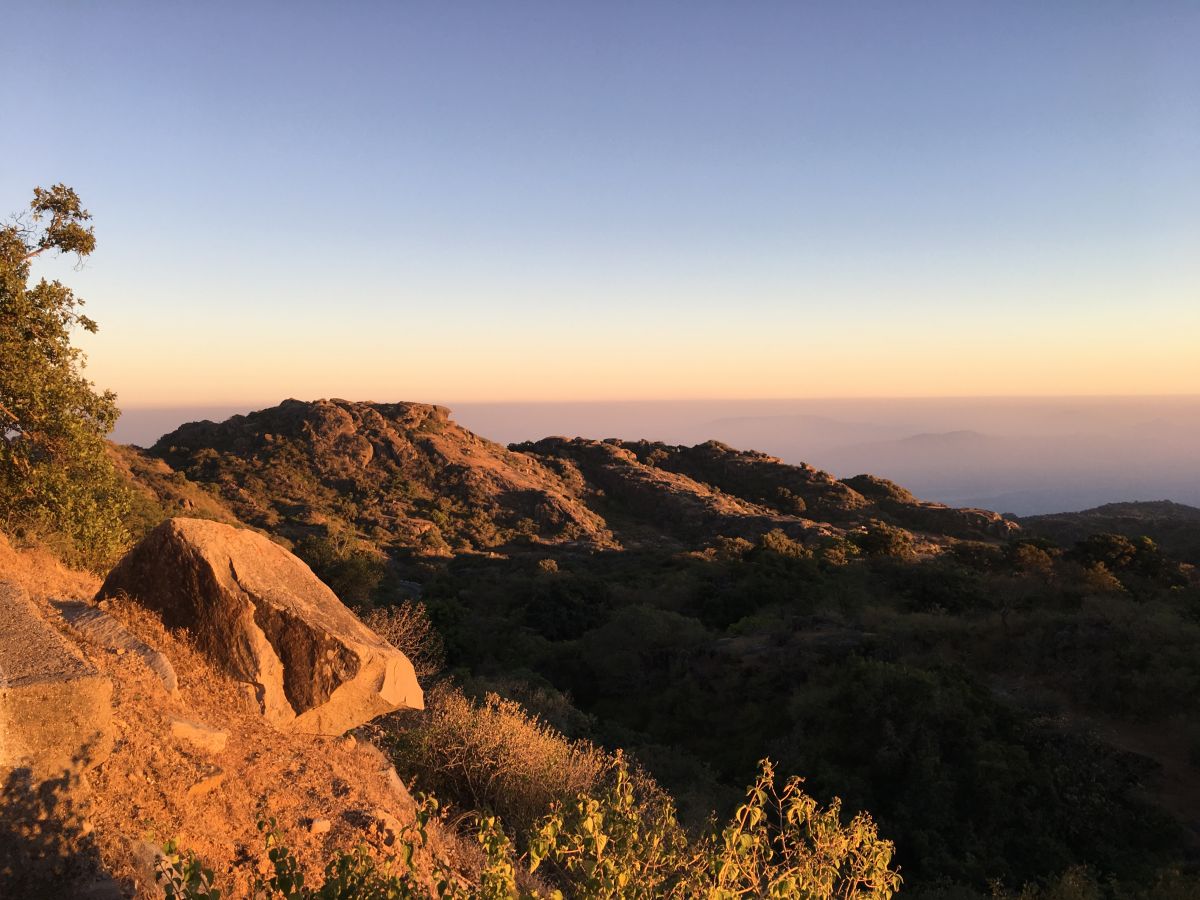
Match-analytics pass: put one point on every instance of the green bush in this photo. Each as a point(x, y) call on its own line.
point(57, 483)
point(352, 568)
point(878, 538)
point(779, 843)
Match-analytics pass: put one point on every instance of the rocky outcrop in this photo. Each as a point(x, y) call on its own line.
point(895, 504)
point(403, 473)
point(260, 614)
point(951, 521)
point(55, 708)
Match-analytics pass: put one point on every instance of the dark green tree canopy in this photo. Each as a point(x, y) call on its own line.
point(56, 480)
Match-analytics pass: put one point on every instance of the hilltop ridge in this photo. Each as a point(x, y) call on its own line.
point(405, 476)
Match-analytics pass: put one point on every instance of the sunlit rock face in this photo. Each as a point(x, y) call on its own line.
point(260, 613)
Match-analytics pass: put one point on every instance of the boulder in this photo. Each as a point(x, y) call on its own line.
point(55, 708)
point(260, 613)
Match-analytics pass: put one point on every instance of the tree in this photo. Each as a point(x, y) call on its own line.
point(56, 480)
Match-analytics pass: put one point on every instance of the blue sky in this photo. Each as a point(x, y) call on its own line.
point(523, 201)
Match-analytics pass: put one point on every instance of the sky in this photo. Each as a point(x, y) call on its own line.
point(565, 201)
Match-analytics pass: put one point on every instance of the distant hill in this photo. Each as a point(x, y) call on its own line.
point(1175, 527)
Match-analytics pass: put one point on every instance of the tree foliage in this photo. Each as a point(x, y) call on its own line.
point(56, 480)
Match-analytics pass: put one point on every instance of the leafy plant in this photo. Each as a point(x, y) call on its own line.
point(779, 843)
point(182, 876)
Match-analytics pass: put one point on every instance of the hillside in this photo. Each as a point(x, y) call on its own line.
point(1175, 527)
point(651, 479)
point(1009, 705)
point(704, 606)
point(401, 475)
point(193, 762)
point(214, 722)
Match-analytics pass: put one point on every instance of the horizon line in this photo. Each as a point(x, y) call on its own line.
point(213, 404)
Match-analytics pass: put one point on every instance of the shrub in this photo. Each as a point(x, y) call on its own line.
point(407, 628)
point(881, 539)
point(779, 843)
point(356, 874)
point(493, 756)
point(775, 541)
point(790, 503)
point(621, 843)
point(351, 568)
point(614, 843)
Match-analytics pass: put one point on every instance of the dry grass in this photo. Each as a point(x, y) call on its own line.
point(41, 574)
point(494, 756)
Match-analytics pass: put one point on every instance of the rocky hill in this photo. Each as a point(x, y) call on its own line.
point(400, 475)
point(760, 491)
point(405, 476)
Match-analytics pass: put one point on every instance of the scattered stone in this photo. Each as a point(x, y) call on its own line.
point(396, 785)
point(260, 613)
point(97, 627)
point(55, 708)
point(319, 826)
point(206, 785)
point(347, 742)
point(387, 825)
point(202, 737)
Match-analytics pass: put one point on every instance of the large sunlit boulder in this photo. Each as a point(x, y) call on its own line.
point(259, 612)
